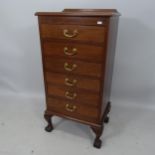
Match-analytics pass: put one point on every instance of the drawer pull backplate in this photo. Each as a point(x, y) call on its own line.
point(69, 82)
point(70, 96)
point(70, 108)
point(71, 53)
point(67, 34)
point(69, 68)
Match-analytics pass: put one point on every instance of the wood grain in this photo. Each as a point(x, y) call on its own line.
point(56, 31)
point(84, 83)
point(84, 52)
point(86, 97)
point(87, 21)
point(81, 112)
point(83, 68)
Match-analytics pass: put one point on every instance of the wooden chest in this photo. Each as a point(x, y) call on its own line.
point(78, 47)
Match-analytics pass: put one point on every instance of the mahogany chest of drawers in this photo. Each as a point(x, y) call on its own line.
point(78, 47)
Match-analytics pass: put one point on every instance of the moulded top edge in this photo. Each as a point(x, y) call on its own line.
point(81, 12)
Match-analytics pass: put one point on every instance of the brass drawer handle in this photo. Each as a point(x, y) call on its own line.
point(72, 53)
point(69, 82)
point(70, 109)
point(68, 67)
point(70, 96)
point(69, 35)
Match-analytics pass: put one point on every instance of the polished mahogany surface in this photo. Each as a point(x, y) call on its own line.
point(78, 48)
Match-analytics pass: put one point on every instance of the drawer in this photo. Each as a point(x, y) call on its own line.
point(74, 51)
point(73, 81)
point(73, 67)
point(87, 21)
point(71, 32)
point(73, 94)
point(72, 110)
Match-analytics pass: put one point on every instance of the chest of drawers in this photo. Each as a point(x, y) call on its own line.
point(78, 47)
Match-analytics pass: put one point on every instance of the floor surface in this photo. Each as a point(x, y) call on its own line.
point(131, 131)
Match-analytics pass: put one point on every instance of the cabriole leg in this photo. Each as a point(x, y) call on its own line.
point(106, 119)
point(49, 126)
point(98, 131)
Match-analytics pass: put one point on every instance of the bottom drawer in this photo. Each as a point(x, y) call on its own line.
point(77, 110)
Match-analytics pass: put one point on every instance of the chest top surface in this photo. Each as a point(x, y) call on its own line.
point(81, 12)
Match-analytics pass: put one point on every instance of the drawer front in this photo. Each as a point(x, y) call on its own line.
point(73, 67)
point(74, 51)
point(71, 32)
point(73, 81)
point(73, 94)
point(72, 110)
point(87, 21)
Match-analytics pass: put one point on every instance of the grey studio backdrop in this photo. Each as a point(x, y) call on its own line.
point(20, 57)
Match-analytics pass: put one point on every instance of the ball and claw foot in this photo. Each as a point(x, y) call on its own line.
point(106, 120)
point(97, 143)
point(48, 128)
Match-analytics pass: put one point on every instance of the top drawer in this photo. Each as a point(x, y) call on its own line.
point(87, 21)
